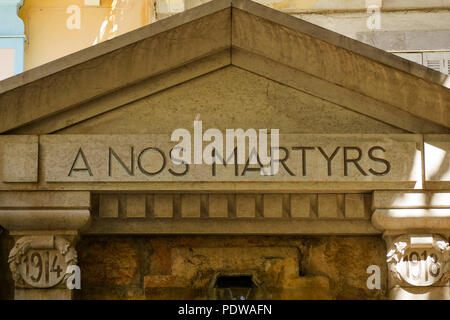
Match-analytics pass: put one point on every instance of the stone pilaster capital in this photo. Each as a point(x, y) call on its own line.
point(41, 261)
point(398, 212)
point(416, 228)
point(45, 226)
point(418, 260)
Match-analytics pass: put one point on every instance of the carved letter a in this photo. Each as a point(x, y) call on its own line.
point(87, 168)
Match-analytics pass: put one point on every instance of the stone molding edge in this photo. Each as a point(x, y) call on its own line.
point(407, 220)
point(51, 219)
point(24, 244)
point(399, 212)
point(49, 211)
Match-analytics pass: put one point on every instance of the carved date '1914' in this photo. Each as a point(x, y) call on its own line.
point(43, 268)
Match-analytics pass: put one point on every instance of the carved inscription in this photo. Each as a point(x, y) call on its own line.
point(419, 265)
point(300, 158)
point(43, 268)
point(41, 261)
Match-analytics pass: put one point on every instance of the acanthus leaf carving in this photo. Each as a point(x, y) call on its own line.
point(23, 245)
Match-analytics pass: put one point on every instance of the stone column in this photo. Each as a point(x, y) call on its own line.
point(45, 226)
point(416, 228)
point(12, 38)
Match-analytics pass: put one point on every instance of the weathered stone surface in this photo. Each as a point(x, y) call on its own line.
point(185, 267)
point(381, 161)
point(190, 206)
point(301, 205)
point(273, 205)
point(330, 205)
point(255, 28)
point(107, 262)
point(109, 206)
point(44, 219)
point(163, 206)
point(218, 206)
point(19, 161)
point(245, 206)
point(136, 206)
point(236, 213)
point(401, 220)
point(231, 97)
point(357, 206)
point(315, 82)
point(46, 199)
point(311, 55)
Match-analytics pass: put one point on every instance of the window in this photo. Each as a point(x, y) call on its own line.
point(439, 61)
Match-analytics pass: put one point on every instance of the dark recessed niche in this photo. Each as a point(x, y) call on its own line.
point(240, 281)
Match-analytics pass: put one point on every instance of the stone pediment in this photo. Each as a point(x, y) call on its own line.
point(234, 64)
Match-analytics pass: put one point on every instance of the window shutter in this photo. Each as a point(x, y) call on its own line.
point(438, 61)
point(434, 64)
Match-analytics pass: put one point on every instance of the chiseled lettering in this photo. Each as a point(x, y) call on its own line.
point(144, 171)
point(386, 163)
point(179, 174)
point(247, 163)
point(354, 160)
point(80, 155)
point(283, 161)
point(221, 160)
point(112, 154)
point(329, 158)
point(304, 149)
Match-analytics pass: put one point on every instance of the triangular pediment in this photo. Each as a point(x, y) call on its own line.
point(234, 64)
point(230, 98)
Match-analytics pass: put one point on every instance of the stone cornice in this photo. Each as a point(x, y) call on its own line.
point(208, 29)
point(402, 212)
point(44, 211)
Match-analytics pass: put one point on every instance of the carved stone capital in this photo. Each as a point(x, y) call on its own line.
point(41, 261)
point(45, 226)
point(418, 260)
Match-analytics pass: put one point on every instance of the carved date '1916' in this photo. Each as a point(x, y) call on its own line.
point(421, 267)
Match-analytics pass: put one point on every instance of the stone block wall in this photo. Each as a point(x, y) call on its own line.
point(186, 267)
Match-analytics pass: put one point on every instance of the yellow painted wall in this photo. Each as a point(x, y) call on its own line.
point(52, 28)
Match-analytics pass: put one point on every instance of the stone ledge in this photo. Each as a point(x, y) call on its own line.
point(44, 199)
point(44, 210)
point(411, 200)
point(21, 220)
point(233, 226)
point(402, 220)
